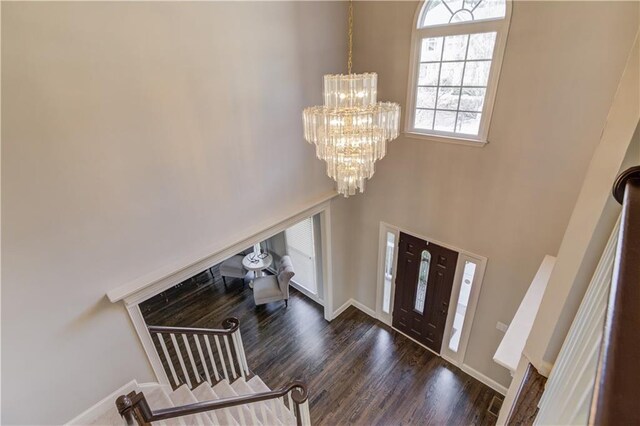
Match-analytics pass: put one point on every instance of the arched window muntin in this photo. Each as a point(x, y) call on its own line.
point(498, 25)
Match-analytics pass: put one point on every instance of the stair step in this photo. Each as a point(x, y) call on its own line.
point(282, 412)
point(240, 413)
point(219, 417)
point(262, 410)
point(184, 396)
point(157, 399)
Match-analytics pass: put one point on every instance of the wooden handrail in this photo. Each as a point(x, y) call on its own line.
point(229, 326)
point(134, 406)
point(615, 396)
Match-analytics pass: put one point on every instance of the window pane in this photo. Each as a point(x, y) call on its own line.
point(455, 48)
point(445, 121)
point(472, 99)
point(476, 73)
point(435, 13)
point(468, 123)
point(481, 45)
point(461, 307)
point(424, 119)
point(451, 73)
point(426, 97)
point(462, 16)
point(448, 98)
point(431, 49)
point(489, 9)
point(429, 74)
point(421, 288)
point(388, 272)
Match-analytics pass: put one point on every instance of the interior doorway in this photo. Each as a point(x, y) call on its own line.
point(428, 290)
point(302, 242)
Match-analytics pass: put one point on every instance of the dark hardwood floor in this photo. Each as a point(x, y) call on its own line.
point(525, 407)
point(358, 370)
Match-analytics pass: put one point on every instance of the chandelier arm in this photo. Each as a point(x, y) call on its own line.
point(350, 61)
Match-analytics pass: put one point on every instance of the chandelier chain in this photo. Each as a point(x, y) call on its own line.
point(350, 61)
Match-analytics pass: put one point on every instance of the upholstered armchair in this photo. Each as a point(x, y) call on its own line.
point(274, 287)
point(233, 268)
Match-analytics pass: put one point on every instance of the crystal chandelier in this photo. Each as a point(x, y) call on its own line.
point(351, 130)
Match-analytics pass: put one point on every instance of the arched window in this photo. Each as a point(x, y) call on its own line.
point(455, 63)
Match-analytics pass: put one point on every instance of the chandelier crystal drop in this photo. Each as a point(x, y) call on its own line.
point(351, 130)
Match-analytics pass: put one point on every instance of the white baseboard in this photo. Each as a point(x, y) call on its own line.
point(484, 379)
point(103, 405)
point(352, 302)
point(367, 310)
point(341, 309)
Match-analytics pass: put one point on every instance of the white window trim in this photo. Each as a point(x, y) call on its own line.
point(501, 27)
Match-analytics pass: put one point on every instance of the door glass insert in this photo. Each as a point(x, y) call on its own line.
point(421, 289)
point(388, 271)
point(463, 301)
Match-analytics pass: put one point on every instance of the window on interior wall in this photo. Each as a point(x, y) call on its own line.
point(455, 64)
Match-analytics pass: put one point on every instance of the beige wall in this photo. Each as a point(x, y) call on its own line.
point(511, 200)
point(136, 135)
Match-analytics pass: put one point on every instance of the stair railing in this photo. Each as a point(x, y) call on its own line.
point(615, 393)
point(135, 409)
point(194, 355)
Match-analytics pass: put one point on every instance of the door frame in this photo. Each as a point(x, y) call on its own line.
point(456, 358)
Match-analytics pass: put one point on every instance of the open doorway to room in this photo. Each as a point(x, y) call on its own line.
point(428, 290)
point(261, 276)
point(302, 243)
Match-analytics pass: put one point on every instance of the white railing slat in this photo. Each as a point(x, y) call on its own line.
point(236, 347)
point(202, 359)
point(242, 353)
point(168, 358)
point(233, 368)
point(220, 354)
point(211, 358)
point(291, 407)
point(181, 360)
point(190, 354)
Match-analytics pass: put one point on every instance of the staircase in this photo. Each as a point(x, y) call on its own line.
point(211, 385)
point(241, 402)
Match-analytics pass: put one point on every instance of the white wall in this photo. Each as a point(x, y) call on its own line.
point(590, 225)
point(511, 200)
point(136, 135)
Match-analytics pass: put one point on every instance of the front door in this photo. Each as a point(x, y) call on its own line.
point(423, 287)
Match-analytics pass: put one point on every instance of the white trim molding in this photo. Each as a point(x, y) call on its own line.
point(502, 390)
point(341, 309)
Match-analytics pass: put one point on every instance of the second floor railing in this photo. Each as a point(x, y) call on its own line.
point(615, 394)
